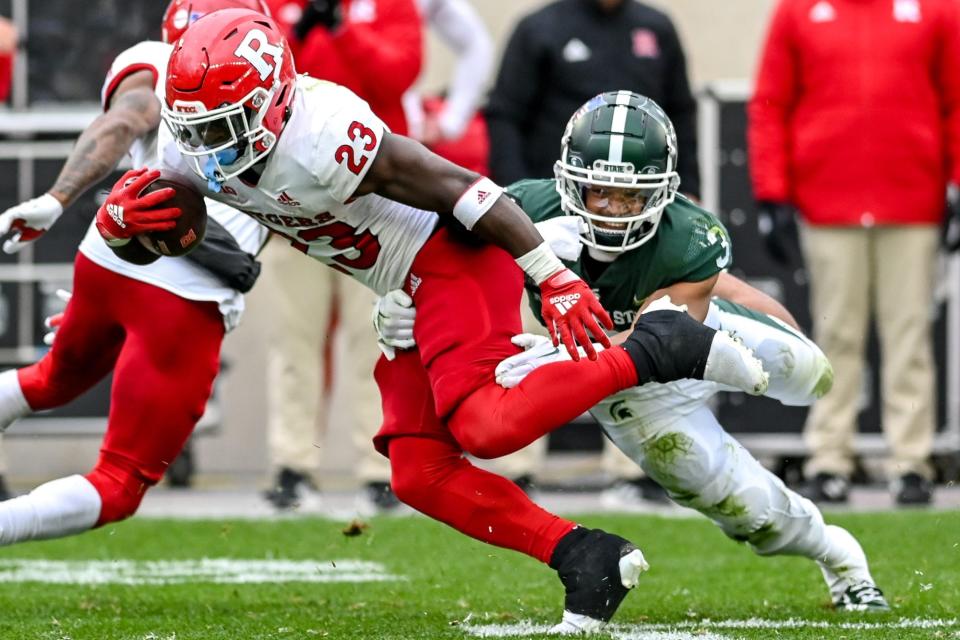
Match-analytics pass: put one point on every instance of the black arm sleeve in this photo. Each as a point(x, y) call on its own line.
point(682, 109)
point(513, 97)
point(220, 254)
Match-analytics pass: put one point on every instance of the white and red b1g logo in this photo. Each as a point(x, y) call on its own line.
point(255, 56)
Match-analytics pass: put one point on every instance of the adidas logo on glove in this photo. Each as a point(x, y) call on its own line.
point(565, 302)
point(116, 212)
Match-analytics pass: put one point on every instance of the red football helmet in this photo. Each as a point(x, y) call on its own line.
point(230, 81)
point(180, 14)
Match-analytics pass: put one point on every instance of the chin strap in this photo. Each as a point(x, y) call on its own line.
point(602, 256)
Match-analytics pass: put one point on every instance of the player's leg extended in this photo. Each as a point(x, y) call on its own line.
point(430, 474)
point(162, 380)
point(702, 467)
point(84, 351)
point(799, 371)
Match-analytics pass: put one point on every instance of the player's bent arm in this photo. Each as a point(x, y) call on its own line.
point(406, 171)
point(736, 290)
point(696, 295)
point(133, 111)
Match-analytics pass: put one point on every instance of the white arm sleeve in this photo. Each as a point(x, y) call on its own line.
point(460, 27)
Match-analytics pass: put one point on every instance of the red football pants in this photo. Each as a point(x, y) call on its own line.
point(468, 308)
point(165, 353)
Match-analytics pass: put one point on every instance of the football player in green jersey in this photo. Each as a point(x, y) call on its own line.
point(647, 246)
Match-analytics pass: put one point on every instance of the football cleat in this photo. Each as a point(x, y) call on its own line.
point(289, 490)
point(732, 363)
point(847, 575)
point(597, 570)
point(862, 596)
point(912, 489)
point(827, 488)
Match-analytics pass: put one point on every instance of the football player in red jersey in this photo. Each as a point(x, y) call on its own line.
point(312, 162)
point(127, 318)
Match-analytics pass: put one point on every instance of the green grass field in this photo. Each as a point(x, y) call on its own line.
point(430, 582)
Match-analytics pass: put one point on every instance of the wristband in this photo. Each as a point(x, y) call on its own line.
point(540, 263)
point(476, 201)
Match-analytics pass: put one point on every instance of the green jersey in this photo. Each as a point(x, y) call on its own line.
point(690, 245)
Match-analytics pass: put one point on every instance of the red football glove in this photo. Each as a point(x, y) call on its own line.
point(569, 308)
point(125, 213)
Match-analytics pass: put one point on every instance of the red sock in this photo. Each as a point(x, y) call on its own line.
point(493, 421)
point(432, 476)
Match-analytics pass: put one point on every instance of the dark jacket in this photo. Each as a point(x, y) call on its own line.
point(564, 54)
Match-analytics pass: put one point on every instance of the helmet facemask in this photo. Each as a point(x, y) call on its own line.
point(616, 233)
point(223, 142)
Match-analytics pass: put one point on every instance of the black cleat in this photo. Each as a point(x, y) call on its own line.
point(381, 496)
point(286, 493)
point(912, 489)
point(828, 488)
point(597, 569)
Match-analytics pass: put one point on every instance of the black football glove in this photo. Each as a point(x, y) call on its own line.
point(777, 224)
point(951, 220)
point(319, 13)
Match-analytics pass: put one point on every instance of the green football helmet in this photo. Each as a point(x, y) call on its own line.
point(623, 142)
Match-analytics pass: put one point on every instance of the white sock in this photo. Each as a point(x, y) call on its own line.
point(58, 508)
point(13, 405)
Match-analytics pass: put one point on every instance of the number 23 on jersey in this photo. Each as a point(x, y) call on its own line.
point(356, 158)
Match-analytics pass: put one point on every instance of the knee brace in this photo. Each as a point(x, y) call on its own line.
point(799, 371)
point(121, 487)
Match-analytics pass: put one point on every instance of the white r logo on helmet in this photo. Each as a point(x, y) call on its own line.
point(255, 56)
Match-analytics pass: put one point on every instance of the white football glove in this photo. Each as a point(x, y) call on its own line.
point(537, 351)
point(28, 221)
point(562, 235)
point(393, 317)
point(53, 322)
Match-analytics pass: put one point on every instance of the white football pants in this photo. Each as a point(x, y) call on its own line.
point(670, 432)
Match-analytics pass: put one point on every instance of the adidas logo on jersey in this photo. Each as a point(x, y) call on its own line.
point(285, 199)
point(116, 212)
point(565, 302)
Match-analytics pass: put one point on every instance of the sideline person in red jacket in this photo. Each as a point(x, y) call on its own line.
point(372, 47)
point(855, 122)
point(8, 48)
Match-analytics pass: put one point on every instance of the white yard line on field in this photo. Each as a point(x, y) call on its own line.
point(621, 632)
point(213, 570)
point(700, 629)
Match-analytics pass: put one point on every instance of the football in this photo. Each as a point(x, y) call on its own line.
point(191, 225)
